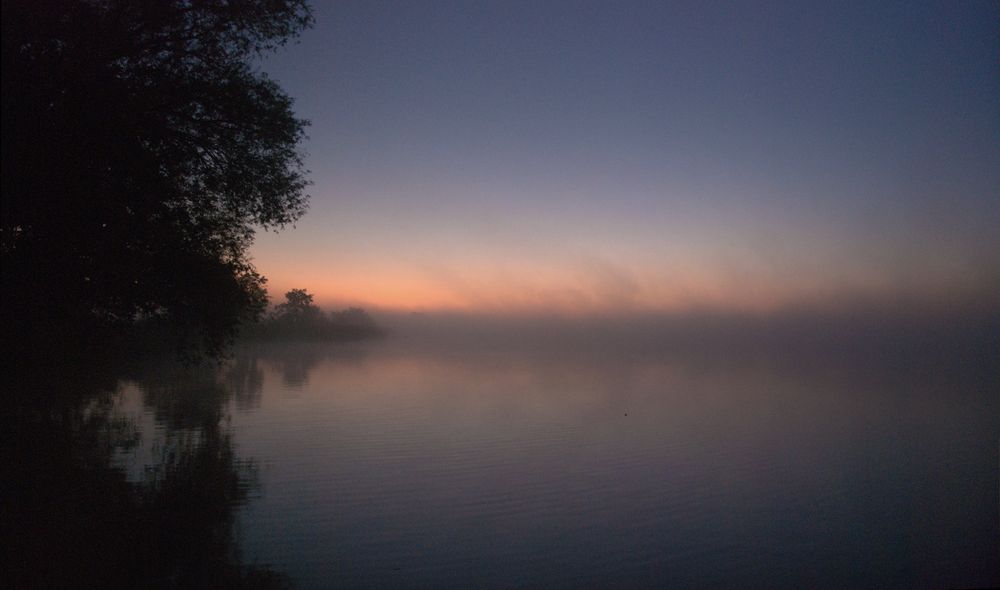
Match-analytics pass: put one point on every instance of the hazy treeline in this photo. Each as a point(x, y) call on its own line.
point(299, 319)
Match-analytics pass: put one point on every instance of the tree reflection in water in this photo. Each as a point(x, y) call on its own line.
point(293, 360)
point(75, 516)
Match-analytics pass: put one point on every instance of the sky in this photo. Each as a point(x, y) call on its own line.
point(599, 157)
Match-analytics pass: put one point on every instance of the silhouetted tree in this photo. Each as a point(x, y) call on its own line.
point(298, 307)
point(141, 150)
point(299, 319)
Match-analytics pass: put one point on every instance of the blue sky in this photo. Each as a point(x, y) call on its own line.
point(591, 156)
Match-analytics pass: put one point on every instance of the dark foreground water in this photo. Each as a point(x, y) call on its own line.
point(395, 465)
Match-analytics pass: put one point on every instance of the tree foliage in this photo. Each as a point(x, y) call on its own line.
point(298, 307)
point(141, 150)
point(299, 319)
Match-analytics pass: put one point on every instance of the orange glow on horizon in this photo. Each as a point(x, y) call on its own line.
point(502, 293)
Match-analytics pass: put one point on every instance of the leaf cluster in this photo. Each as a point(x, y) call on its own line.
point(142, 148)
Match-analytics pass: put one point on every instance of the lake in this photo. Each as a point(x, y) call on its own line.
point(398, 464)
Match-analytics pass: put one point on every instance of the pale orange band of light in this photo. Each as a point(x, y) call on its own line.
point(415, 292)
point(568, 289)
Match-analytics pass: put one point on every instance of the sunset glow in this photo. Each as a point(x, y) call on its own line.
point(650, 159)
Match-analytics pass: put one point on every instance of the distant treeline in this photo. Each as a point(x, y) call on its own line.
point(299, 319)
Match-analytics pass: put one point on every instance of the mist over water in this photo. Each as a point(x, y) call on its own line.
point(808, 448)
point(503, 452)
point(709, 295)
point(885, 335)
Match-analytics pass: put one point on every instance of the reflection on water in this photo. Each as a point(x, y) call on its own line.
point(127, 476)
point(409, 465)
point(502, 467)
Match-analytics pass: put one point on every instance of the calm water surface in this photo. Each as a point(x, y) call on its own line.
point(393, 465)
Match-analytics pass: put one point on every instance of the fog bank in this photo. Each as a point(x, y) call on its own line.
point(899, 335)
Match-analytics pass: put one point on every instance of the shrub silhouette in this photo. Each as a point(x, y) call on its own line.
point(298, 318)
